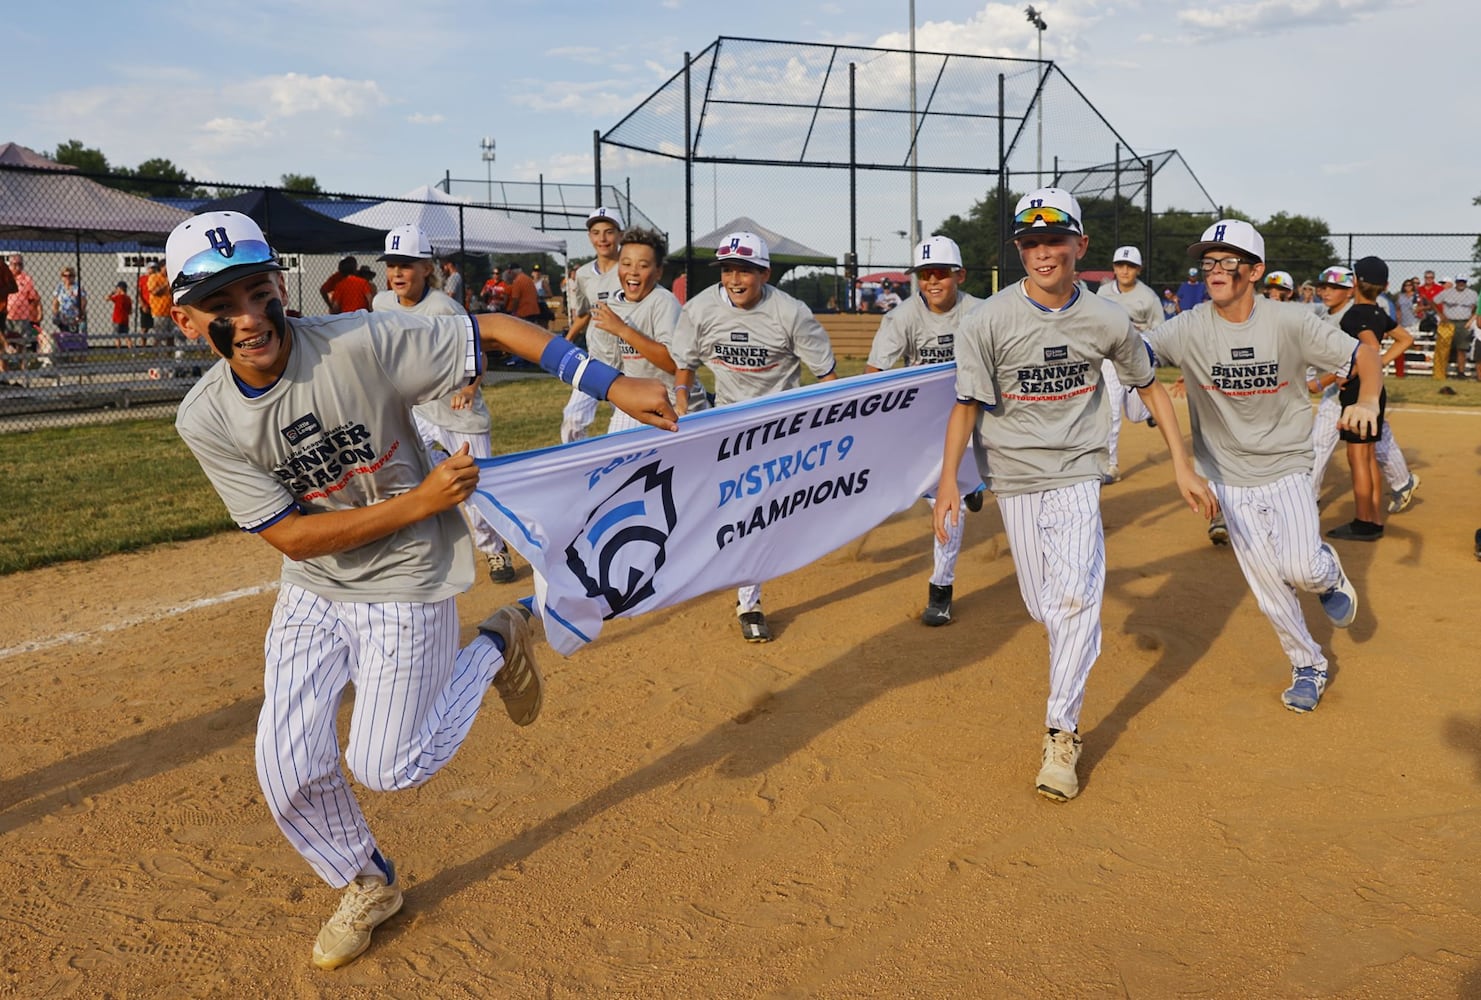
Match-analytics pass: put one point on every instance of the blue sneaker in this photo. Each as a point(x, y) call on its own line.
point(1307, 685)
point(1341, 602)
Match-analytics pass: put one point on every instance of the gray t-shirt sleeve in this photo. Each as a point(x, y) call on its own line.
point(684, 346)
point(253, 496)
point(810, 342)
point(890, 342)
point(1130, 358)
point(418, 352)
point(974, 367)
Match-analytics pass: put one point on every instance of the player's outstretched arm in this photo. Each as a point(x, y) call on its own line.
point(683, 379)
point(304, 536)
point(643, 399)
point(948, 495)
point(1197, 493)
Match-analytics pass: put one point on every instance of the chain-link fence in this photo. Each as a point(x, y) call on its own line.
point(84, 338)
point(830, 144)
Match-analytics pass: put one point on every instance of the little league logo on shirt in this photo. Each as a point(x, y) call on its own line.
point(623, 543)
point(1058, 378)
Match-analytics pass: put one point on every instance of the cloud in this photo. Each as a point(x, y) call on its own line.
point(599, 99)
point(1268, 17)
point(425, 119)
point(1002, 30)
point(296, 94)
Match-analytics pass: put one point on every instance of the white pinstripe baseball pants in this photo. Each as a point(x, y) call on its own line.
point(1122, 402)
point(576, 418)
point(943, 572)
point(1059, 554)
point(1324, 437)
point(1275, 532)
point(416, 696)
point(485, 538)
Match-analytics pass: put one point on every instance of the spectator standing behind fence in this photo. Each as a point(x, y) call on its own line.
point(146, 317)
point(123, 305)
point(495, 293)
point(452, 283)
point(160, 303)
point(1191, 292)
point(523, 300)
point(351, 293)
point(23, 307)
point(1406, 311)
point(1457, 304)
point(7, 289)
point(1169, 303)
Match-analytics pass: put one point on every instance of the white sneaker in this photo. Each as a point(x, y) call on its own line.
point(1057, 779)
point(368, 902)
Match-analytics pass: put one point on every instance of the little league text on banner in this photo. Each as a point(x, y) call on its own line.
point(632, 522)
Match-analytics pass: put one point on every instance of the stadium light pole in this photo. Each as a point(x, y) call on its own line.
point(1037, 20)
point(914, 162)
point(486, 144)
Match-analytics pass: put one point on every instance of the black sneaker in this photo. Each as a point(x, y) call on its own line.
point(938, 607)
point(1478, 543)
point(753, 627)
point(974, 501)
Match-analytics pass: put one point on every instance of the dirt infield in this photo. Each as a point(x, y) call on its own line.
point(846, 812)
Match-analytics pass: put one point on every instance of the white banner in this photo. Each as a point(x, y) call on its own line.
point(632, 522)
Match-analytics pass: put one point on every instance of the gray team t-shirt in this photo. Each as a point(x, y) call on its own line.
point(475, 419)
point(753, 352)
point(1141, 303)
point(1040, 372)
point(335, 433)
point(1247, 398)
point(593, 286)
point(656, 316)
point(911, 331)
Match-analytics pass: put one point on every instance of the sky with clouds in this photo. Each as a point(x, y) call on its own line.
point(1351, 110)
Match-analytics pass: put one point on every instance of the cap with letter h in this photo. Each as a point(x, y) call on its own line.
point(406, 245)
point(1234, 235)
point(211, 250)
point(1050, 211)
point(743, 248)
point(1127, 255)
point(605, 214)
point(937, 251)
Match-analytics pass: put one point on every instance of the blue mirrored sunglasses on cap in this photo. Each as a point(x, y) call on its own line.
point(209, 263)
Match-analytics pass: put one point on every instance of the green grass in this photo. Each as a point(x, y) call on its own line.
point(84, 492)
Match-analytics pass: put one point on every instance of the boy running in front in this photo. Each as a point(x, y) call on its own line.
point(1028, 380)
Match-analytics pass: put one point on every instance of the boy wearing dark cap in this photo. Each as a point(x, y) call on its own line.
point(1368, 323)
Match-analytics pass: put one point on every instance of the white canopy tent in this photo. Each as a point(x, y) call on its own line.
point(456, 226)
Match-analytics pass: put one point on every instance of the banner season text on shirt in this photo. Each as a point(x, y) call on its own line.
point(632, 522)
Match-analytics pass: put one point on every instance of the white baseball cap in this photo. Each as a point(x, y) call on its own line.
point(407, 243)
point(1230, 234)
point(605, 214)
point(1337, 276)
point(1280, 279)
point(1047, 210)
point(1127, 255)
point(743, 248)
point(213, 249)
point(937, 251)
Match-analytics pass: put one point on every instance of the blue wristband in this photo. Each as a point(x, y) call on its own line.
point(597, 378)
point(553, 357)
point(574, 366)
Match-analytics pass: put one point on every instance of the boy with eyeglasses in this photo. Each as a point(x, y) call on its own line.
point(754, 338)
point(1244, 359)
point(923, 331)
point(1028, 383)
point(304, 428)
